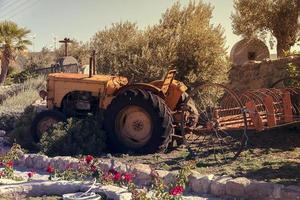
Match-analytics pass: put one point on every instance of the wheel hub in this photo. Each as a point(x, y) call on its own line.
point(134, 126)
point(138, 125)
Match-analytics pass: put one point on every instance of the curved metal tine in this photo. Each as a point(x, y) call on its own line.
point(220, 144)
point(214, 105)
point(204, 100)
point(295, 106)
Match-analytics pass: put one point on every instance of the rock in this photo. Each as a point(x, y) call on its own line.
point(2, 133)
point(62, 163)
point(4, 181)
point(262, 190)
point(200, 183)
point(218, 185)
point(142, 174)
point(104, 165)
point(236, 187)
point(4, 150)
point(291, 192)
point(29, 161)
point(168, 177)
point(39, 188)
point(21, 161)
point(40, 162)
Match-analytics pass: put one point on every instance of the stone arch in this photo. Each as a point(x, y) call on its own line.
point(249, 49)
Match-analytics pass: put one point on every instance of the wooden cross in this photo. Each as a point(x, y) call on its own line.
point(66, 41)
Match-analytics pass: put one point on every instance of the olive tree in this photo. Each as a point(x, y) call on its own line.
point(184, 39)
point(258, 18)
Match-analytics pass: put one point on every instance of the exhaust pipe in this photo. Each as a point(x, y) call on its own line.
point(90, 67)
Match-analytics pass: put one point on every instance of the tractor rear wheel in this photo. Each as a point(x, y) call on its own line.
point(45, 120)
point(139, 121)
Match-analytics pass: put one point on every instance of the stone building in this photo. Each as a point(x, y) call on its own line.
point(247, 50)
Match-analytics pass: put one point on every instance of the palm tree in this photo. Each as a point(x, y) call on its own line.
point(12, 40)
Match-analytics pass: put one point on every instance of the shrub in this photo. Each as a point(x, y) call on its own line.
point(13, 90)
point(184, 39)
point(20, 77)
point(22, 97)
point(75, 137)
point(21, 134)
point(293, 74)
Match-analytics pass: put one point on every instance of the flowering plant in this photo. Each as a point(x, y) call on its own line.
point(87, 168)
point(7, 163)
point(30, 175)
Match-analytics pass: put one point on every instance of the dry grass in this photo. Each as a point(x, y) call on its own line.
point(23, 98)
point(12, 90)
point(272, 156)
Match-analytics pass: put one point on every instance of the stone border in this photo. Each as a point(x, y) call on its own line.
point(198, 183)
point(41, 188)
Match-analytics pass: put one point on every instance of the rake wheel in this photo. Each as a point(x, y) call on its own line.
point(221, 131)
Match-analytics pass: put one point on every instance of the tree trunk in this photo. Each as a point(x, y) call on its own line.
point(282, 46)
point(4, 65)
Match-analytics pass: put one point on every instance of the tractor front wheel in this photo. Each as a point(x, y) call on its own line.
point(138, 121)
point(45, 120)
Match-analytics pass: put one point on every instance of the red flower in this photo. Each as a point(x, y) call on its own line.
point(177, 190)
point(10, 164)
point(30, 174)
point(128, 177)
point(1, 174)
point(50, 169)
point(117, 176)
point(88, 159)
point(93, 168)
point(1, 164)
point(112, 171)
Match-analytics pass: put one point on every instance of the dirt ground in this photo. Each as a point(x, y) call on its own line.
point(272, 156)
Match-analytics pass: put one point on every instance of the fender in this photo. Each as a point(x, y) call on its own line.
point(143, 86)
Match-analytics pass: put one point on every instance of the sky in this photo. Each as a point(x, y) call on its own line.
point(81, 19)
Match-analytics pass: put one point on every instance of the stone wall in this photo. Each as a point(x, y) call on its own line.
point(259, 74)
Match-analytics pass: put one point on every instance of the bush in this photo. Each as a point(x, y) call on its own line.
point(293, 75)
point(13, 108)
point(35, 84)
point(184, 39)
point(21, 134)
point(75, 137)
point(20, 77)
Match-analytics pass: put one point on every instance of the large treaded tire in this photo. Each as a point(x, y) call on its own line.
point(159, 112)
point(56, 115)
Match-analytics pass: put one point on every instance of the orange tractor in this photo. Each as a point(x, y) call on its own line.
point(139, 117)
point(145, 117)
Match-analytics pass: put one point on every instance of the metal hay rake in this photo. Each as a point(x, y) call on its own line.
point(223, 117)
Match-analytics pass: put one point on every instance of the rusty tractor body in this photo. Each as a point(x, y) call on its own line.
point(138, 116)
point(145, 117)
